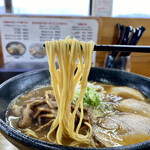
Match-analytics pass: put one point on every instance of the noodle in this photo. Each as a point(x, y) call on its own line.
point(74, 66)
point(29, 132)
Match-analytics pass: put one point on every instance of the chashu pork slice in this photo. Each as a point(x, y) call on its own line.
point(120, 130)
point(134, 106)
point(126, 92)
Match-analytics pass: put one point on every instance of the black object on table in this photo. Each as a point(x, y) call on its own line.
point(14, 68)
point(119, 54)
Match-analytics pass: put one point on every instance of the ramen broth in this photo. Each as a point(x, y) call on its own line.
point(112, 121)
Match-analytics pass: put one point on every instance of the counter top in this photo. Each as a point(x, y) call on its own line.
point(5, 144)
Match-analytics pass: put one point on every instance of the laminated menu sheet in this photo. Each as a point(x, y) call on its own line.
point(102, 8)
point(23, 37)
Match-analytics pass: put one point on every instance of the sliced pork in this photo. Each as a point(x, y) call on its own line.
point(123, 129)
point(134, 106)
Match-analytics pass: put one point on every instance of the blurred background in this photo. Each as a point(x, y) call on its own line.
point(132, 14)
point(118, 8)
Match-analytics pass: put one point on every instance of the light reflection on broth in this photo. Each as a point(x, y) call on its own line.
point(115, 121)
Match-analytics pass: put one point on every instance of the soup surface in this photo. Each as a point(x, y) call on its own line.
point(118, 115)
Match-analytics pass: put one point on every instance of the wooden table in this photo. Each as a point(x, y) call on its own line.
point(5, 144)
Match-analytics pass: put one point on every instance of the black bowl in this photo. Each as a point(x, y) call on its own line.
point(30, 80)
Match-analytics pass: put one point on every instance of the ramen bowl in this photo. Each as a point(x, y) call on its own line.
point(30, 80)
point(16, 48)
point(37, 50)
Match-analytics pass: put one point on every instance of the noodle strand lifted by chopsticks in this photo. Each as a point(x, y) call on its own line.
point(64, 80)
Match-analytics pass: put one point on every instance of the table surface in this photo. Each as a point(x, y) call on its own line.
point(5, 144)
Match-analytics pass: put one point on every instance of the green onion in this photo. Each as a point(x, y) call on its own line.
point(91, 97)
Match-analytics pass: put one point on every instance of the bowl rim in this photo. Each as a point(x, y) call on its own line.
point(17, 135)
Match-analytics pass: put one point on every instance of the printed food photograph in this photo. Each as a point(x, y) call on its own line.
point(16, 48)
point(37, 50)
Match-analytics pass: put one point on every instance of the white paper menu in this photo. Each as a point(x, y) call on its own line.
point(23, 37)
point(102, 8)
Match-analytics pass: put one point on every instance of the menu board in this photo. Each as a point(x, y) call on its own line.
point(23, 37)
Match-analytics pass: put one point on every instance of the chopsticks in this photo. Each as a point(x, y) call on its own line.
point(121, 48)
point(127, 36)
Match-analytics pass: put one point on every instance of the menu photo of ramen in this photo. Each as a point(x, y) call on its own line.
point(15, 48)
point(37, 50)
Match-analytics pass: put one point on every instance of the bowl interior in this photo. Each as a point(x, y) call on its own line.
point(30, 80)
